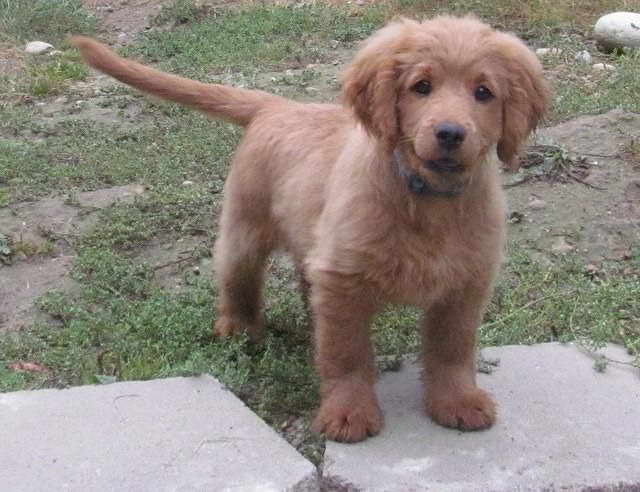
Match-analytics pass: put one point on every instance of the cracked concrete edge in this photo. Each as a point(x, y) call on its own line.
point(332, 483)
point(311, 483)
point(619, 487)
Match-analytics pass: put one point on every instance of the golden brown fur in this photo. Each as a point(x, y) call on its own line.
point(392, 197)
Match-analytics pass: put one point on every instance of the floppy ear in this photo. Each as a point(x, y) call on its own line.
point(369, 84)
point(526, 100)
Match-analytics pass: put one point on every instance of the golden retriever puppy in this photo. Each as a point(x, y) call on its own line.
point(393, 196)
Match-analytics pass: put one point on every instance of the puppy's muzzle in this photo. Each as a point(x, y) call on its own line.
point(449, 137)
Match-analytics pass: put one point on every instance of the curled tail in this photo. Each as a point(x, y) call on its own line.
point(238, 106)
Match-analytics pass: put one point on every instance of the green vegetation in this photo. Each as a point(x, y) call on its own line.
point(587, 92)
point(43, 20)
point(50, 76)
point(563, 302)
point(254, 38)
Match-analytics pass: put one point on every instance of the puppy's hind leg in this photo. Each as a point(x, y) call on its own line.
point(240, 254)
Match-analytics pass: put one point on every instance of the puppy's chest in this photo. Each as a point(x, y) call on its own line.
point(418, 268)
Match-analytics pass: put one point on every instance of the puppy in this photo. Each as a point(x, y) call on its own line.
point(393, 196)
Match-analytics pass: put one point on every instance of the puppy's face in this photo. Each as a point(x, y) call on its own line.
point(443, 93)
point(449, 118)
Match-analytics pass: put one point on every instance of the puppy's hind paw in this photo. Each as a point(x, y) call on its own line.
point(227, 326)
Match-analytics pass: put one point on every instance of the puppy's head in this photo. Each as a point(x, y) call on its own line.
point(443, 93)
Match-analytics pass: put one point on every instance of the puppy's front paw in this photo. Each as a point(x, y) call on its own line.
point(471, 410)
point(349, 415)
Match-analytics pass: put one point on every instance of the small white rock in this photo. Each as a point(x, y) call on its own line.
point(618, 30)
point(583, 56)
point(537, 204)
point(55, 53)
point(37, 47)
point(548, 52)
point(604, 67)
point(187, 183)
point(561, 246)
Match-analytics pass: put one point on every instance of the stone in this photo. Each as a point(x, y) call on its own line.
point(541, 52)
point(37, 47)
point(601, 67)
point(172, 434)
point(561, 246)
point(618, 30)
point(537, 204)
point(561, 426)
point(583, 57)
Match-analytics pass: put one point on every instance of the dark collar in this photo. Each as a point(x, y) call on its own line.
point(416, 183)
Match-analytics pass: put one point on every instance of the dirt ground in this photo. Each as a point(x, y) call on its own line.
point(593, 211)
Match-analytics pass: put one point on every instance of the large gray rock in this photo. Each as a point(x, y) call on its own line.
point(561, 426)
point(618, 30)
point(180, 434)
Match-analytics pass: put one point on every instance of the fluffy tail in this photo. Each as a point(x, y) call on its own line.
point(235, 105)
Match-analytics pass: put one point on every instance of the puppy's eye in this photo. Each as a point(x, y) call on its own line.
point(483, 94)
point(423, 87)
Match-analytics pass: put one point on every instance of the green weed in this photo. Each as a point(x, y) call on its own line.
point(253, 38)
point(561, 302)
point(51, 76)
point(83, 155)
point(600, 92)
point(43, 20)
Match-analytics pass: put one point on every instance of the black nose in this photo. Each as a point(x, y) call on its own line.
point(450, 135)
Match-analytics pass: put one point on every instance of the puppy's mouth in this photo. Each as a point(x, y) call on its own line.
point(444, 165)
point(441, 177)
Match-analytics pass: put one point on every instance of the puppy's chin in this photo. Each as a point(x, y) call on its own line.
point(444, 185)
point(439, 176)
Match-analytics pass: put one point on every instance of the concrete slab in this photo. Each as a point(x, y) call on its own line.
point(561, 426)
point(180, 434)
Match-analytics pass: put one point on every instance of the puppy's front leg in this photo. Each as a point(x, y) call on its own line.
point(349, 410)
point(452, 397)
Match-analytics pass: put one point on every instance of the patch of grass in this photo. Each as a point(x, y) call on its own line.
point(255, 37)
point(562, 302)
point(120, 326)
point(51, 76)
point(31, 249)
point(182, 12)
point(84, 155)
point(43, 20)
point(4, 198)
point(396, 333)
point(516, 15)
point(586, 91)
